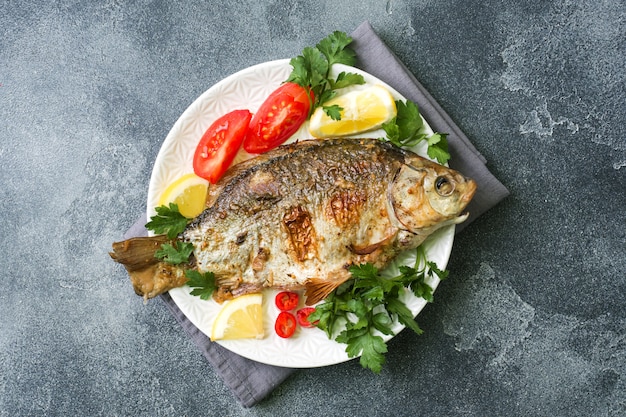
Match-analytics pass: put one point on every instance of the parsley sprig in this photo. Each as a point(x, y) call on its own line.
point(175, 253)
point(170, 222)
point(369, 303)
point(407, 129)
point(312, 70)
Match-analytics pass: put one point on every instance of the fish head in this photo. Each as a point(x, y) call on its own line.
point(425, 195)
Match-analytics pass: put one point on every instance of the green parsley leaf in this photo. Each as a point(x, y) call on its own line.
point(422, 290)
point(175, 253)
point(438, 147)
point(369, 303)
point(311, 69)
point(404, 129)
point(441, 274)
point(407, 129)
point(382, 322)
point(334, 111)
point(375, 294)
point(300, 74)
point(367, 278)
point(405, 316)
point(335, 49)
point(168, 220)
point(346, 79)
point(356, 306)
point(324, 315)
point(203, 283)
point(408, 119)
point(371, 348)
point(325, 96)
point(364, 272)
point(393, 132)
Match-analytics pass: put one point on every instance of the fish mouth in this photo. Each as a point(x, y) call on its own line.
point(461, 218)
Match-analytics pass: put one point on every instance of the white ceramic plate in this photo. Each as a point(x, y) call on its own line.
point(246, 90)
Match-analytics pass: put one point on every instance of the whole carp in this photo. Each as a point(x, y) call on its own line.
point(299, 216)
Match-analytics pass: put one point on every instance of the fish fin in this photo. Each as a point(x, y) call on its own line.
point(138, 252)
point(317, 289)
point(367, 249)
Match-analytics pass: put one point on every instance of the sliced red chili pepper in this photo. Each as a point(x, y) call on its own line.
point(285, 325)
point(303, 317)
point(286, 300)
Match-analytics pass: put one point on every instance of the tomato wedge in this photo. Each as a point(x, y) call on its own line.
point(285, 325)
point(279, 117)
point(303, 316)
point(219, 145)
point(286, 300)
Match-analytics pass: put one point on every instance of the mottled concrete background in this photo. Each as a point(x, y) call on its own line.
point(532, 320)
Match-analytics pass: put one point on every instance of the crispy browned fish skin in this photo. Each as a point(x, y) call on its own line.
point(300, 215)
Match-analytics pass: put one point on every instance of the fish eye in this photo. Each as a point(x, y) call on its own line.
point(444, 186)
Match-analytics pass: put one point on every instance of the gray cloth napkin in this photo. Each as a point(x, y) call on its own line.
point(252, 381)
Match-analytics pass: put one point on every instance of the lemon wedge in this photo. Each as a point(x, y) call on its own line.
point(240, 318)
point(189, 193)
point(363, 110)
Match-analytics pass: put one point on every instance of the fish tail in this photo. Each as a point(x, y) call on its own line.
point(149, 276)
point(138, 252)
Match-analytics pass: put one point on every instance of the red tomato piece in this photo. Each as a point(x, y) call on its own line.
point(303, 316)
point(219, 145)
point(285, 325)
point(286, 300)
point(279, 117)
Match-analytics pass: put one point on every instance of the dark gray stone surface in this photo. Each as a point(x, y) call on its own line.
point(532, 319)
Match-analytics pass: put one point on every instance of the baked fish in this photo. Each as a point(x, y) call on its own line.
point(299, 216)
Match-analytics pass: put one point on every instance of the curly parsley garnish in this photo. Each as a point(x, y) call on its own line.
point(369, 303)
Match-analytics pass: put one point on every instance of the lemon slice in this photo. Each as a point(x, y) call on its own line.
point(240, 318)
point(189, 193)
point(363, 110)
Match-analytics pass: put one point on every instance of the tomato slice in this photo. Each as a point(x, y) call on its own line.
point(219, 145)
point(303, 316)
point(286, 300)
point(285, 325)
point(279, 117)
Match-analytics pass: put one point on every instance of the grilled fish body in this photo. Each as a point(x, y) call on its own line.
point(300, 215)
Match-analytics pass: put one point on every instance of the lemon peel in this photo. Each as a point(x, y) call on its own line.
point(240, 318)
point(189, 192)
